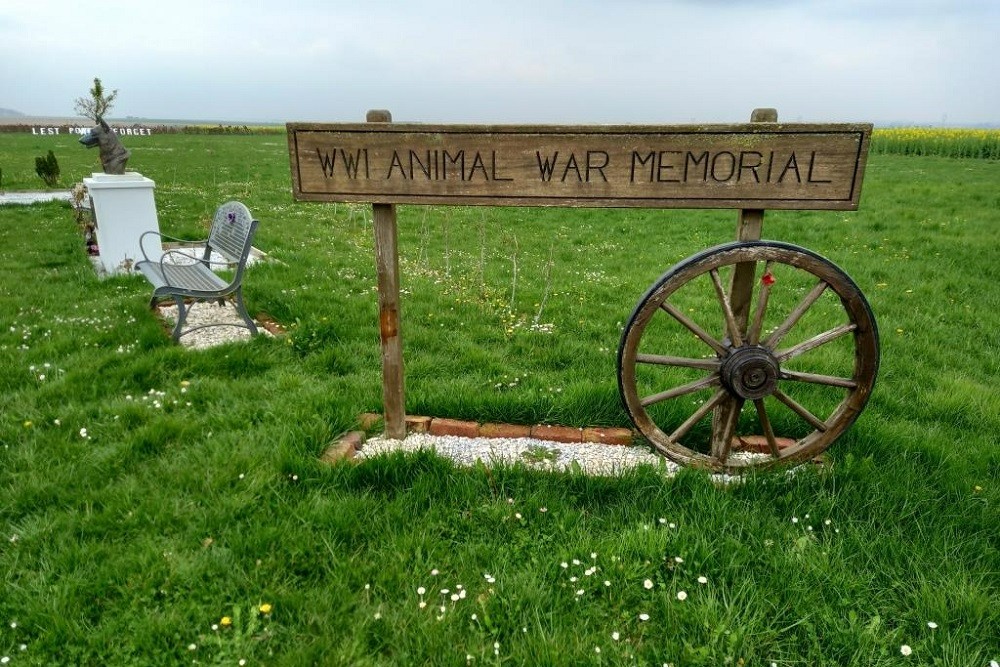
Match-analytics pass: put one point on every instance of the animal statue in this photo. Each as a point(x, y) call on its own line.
point(113, 154)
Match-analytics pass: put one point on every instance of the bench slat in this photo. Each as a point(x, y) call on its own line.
point(192, 277)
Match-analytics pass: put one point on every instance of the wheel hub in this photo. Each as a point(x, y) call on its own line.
point(750, 372)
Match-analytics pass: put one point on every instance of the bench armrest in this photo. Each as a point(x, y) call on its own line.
point(162, 237)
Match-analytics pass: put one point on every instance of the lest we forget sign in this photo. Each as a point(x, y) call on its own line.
point(749, 166)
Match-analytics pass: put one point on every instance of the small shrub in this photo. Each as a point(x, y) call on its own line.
point(48, 169)
point(98, 104)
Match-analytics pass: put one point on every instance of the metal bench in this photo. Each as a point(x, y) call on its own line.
point(180, 276)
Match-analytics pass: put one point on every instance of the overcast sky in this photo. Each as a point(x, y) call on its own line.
point(930, 62)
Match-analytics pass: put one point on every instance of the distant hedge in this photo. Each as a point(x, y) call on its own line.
point(221, 129)
point(64, 128)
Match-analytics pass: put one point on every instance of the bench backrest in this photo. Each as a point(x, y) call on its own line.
point(232, 233)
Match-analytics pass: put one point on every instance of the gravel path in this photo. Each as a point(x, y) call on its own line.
point(588, 458)
point(595, 459)
point(540, 454)
point(229, 323)
point(22, 198)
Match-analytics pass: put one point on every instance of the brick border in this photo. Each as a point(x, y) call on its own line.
point(345, 448)
point(272, 325)
point(350, 443)
point(371, 421)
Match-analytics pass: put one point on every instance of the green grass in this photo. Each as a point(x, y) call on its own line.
point(195, 493)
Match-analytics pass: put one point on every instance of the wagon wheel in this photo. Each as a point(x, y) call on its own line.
point(797, 355)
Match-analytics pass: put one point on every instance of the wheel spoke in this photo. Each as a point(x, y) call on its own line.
point(698, 415)
point(813, 420)
point(799, 311)
point(683, 389)
point(727, 310)
point(753, 336)
point(694, 328)
point(682, 362)
point(814, 342)
point(722, 434)
point(765, 425)
point(813, 378)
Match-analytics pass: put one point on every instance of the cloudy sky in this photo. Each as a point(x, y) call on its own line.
point(548, 61)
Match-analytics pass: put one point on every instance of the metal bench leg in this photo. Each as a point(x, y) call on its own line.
point(181, 315)
point(242, 310)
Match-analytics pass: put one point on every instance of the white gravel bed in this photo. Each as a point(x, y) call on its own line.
point(592, 458)
point(229, 324)
point(588, 458)
point(25, 198)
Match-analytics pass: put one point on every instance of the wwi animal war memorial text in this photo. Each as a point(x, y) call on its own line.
point(732, 166)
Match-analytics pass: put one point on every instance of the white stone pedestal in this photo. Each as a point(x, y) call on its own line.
point(124, 210)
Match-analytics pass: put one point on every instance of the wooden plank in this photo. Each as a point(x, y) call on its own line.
point(746, 166)
point(749, 227)
point(387, 271)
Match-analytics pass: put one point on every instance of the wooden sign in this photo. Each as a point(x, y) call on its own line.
point(747, 166)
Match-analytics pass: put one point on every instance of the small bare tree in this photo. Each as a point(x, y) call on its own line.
point(97, 105)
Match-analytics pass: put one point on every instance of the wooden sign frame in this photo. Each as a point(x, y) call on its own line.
point(750, 167)
point(754, 165)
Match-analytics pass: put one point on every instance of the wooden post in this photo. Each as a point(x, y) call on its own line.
point(749, 226)
point(387, 270)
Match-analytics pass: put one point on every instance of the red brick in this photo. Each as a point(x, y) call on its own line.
point(368, 421)
point(415, 424)
point(344, 449)
point(557, 433)
point(608, 436)
point(270, 324)
point(454, 427)
point(504, 431)
point(758, 444)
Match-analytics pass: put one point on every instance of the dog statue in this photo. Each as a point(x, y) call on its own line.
point(113, 154)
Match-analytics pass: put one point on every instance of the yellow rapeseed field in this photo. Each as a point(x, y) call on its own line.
point(941, 141)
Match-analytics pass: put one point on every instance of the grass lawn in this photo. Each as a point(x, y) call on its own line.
point(164, 506)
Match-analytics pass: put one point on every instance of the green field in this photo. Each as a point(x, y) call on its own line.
point(153, 499)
